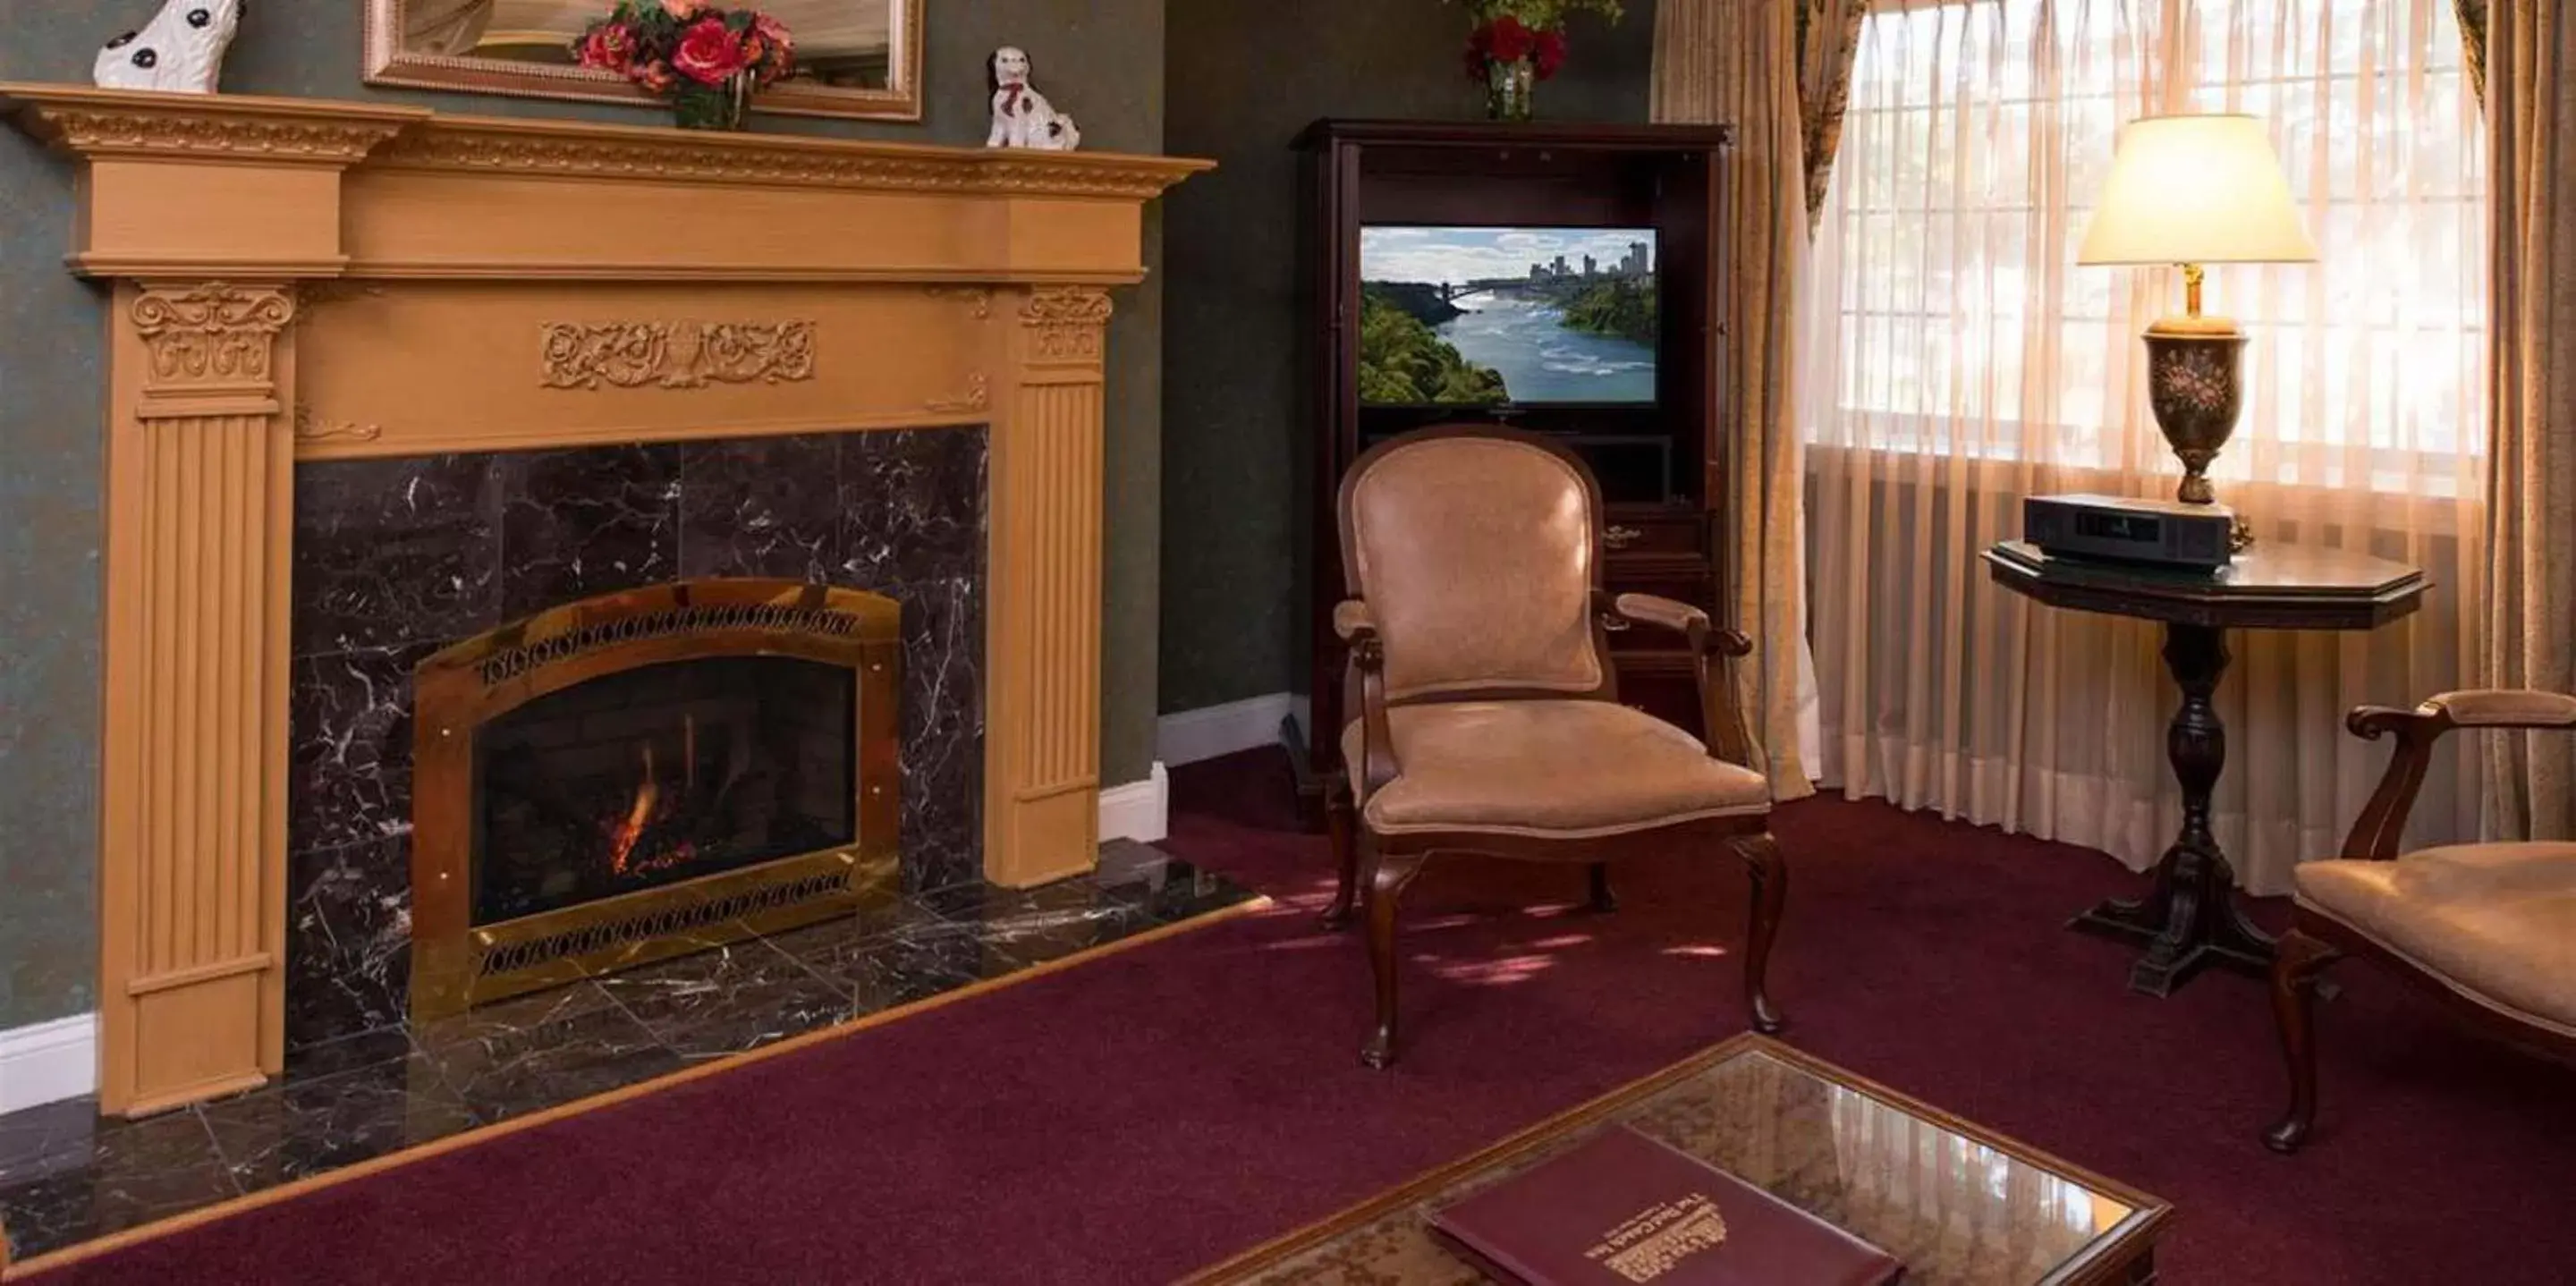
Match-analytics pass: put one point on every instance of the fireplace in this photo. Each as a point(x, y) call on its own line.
point(289, 285)
point(646, 774)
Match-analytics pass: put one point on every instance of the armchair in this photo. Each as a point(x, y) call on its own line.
point(2489, 929)
point(1488, 713)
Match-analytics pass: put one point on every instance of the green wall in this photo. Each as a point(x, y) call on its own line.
point(1100, 60)
point(1240, 81)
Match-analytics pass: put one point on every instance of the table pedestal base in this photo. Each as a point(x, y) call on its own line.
point(2187, 923)
point(2190, 919)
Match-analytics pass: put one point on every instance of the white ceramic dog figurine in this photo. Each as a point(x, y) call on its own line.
point(1022, 117)
point(181, 49)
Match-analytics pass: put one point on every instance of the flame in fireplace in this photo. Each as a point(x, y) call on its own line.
point(626, 833)
point(639, 814)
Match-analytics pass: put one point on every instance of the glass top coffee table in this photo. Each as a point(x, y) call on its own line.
point(1961, 1206)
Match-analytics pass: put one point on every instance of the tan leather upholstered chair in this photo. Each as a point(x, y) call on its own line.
point(2490, 929)
point(1489, 716)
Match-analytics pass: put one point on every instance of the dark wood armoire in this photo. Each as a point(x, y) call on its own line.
point(1662, 462)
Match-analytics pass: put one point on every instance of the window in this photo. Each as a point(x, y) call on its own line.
point(1955, 320)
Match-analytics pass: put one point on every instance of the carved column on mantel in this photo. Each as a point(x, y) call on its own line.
point(193, 837)
point(1042, 710)
point(261, 252)
point(203, 211)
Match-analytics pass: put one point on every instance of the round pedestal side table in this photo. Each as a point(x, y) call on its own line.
point(2190, 917)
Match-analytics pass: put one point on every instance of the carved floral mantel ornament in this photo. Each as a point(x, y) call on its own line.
point(305, 280)
point(309, 429)
point(210, 336)
point(213, 128)
point(674, 354)
point(528, 147)
point(977, 397)
point(977, 299)
point(1069, 324)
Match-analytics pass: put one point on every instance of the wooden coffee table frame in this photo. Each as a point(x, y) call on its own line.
point(2125, 1255)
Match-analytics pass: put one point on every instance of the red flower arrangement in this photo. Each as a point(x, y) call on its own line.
point(708, 61)
point(1507, 40)
point(1515, 43)
point(1547, 53)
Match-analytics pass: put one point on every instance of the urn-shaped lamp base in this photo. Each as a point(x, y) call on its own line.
point(2195, 383)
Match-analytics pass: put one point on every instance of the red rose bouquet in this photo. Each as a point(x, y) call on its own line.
point(707, 60)
point(1516, 43)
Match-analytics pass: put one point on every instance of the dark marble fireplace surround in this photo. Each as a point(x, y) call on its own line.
point(395, 558)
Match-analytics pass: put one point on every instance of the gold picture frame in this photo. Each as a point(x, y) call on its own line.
point(456, 45)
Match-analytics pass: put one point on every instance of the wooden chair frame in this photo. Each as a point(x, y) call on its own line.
point(2317, 940)
point(1376, 869)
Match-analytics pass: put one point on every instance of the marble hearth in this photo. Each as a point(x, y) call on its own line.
point(381, 378)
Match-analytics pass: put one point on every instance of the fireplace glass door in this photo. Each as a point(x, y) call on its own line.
point(645, 774)
point(660, 774)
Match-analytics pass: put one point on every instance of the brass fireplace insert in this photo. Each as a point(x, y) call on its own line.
point(528, 874)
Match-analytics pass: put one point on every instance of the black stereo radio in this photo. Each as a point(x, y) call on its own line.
point(2165, 532)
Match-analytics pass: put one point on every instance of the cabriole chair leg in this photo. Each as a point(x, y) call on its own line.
point(1388, 877)
point(1770, 876)
point(1340, 822)
point(1601, 899)
point(2297, 962)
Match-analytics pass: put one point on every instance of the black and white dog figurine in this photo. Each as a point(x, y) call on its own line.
point(181, 49)
point(1022, 117)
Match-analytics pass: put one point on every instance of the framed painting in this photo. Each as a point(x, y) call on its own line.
point(854, 58)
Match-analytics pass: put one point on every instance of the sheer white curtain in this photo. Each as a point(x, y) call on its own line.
point(1956, 360)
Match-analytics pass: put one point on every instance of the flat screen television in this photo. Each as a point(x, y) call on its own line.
point(1519, 316)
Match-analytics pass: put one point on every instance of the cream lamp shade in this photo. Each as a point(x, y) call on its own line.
point(2196, 189)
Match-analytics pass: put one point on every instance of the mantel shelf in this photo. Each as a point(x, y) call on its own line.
point(100, 123)
point(419, 185)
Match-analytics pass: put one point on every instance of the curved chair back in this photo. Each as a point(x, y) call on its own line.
point(1477, 550)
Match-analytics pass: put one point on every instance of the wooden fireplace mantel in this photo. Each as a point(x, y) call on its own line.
point(301, 279)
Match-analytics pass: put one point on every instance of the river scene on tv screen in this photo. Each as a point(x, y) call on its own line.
point(1488, 316)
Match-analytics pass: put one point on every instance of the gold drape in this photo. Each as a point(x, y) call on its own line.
point(2531, 500)
point(2473, 41)
point(1736, 61)
point(1828, 36)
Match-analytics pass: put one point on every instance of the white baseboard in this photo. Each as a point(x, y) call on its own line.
point(48, 1062)
point(1188, 736)
point(1139, 810)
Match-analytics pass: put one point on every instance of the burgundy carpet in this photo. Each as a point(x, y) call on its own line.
point(1130, 1119)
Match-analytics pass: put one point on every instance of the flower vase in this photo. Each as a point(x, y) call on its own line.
point(719, 107)
point(1508, 86)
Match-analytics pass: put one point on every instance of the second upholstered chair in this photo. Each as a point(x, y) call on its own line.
point(2488, 928)
point(1489, 717)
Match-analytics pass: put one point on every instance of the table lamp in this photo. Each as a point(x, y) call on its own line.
point(2195, 190)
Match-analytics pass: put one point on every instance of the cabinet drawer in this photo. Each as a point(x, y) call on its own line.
point(1632, 533)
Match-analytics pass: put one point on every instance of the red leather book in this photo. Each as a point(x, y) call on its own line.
point(1624, 1209)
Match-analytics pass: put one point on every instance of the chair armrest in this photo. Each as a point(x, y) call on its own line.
point(2471, 708)
point(1681, 618)
point(2506, 708)
point(1377, 766)
point(1352, 618)
point(2375, 834)
point(1713, 652)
